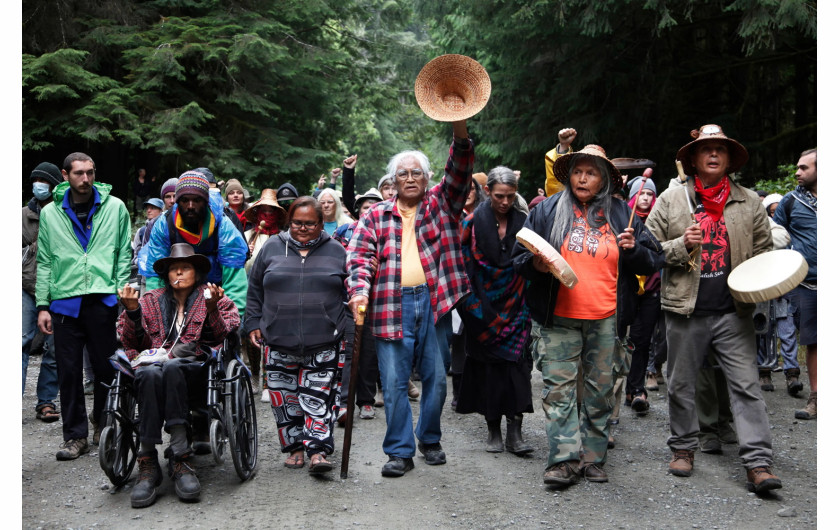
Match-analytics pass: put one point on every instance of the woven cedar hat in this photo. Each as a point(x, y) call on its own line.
point(182, 252)
point(481, 178)
point(452, 88)
point(737, 153)
point(267, 198)
point(562, 166)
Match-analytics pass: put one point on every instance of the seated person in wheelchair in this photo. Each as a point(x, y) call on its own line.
point(187, 318)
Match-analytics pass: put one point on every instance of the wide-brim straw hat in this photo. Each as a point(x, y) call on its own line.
point(562, 166)
point(182, 252)
point(268, 197)
point(452, 88)
point(738, 155)
point(623, 163)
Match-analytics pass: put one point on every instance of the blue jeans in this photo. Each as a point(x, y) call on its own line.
point(396, 357)
point(47, 389)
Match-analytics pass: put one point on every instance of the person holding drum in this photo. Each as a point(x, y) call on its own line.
point(594, 233)
point(708, 226)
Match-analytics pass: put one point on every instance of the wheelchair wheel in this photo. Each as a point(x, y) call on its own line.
point(241, 420)
point(118, 443)
point(218, 441)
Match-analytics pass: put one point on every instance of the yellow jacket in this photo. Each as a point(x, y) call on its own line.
point(552, 185)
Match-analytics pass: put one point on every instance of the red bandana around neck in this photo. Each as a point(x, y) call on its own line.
point(713, 197)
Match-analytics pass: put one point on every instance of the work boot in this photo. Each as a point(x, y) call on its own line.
point(73, 449)
point(413, 391)
point(562, 474)
point(810, 410)
point(760, 479)
point(650, 382)
point(593, 472)
point(794, 385)
point(494, 436)
point(513, 437)
point(183, 475)
point(144, 492)
point(766, 381)
point(682, 463)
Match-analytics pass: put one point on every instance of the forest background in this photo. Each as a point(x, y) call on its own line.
point(275, 91)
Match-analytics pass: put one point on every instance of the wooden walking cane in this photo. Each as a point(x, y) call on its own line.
point(351, 392)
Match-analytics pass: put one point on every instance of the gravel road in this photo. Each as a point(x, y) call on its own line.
point(474, 489)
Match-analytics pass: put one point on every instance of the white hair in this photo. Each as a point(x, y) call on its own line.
point(340, 217)
point(399, 157)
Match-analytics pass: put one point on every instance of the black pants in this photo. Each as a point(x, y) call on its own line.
point(368, 372)
point(96, 328)
point(168, 393)
point(641, 332)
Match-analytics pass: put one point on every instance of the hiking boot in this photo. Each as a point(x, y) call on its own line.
point(810, 410)
point(494, 437)
point(144, 492)
point(593, 472)
point(766, 381)
point(432, 453)
point(513, 437)
point(73, 449)
point(413, 391)
point(760, 479)
point(562, 474)
point(367, 412)
point(397, 467)
point(682, 463)
point(794, 385)
point(182, 474)
point(650, 382)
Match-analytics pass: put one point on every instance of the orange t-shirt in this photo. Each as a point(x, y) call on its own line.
point(593, 254)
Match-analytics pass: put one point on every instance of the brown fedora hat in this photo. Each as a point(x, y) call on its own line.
point(452, 88)
point(182, 252)
point(561, 166)
point(737, 153)
point(268, 197)
point(633, 163)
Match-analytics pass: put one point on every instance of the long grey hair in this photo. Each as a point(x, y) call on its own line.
point(598, 210)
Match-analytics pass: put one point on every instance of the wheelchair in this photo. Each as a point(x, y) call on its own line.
point(230, 409)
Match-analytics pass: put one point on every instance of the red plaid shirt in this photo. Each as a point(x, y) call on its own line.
point(379, 234)
point(201, 328)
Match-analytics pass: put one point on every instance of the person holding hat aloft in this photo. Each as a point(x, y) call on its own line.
point(708, 226)
point(44, 178)
point(592, 231)
point(182, 319)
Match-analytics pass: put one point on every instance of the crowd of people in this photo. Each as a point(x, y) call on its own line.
point(449, 290)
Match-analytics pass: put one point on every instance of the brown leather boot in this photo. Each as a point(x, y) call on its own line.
point(760, 479)
point(794, 385)
point(810, 410)
point(682, 463)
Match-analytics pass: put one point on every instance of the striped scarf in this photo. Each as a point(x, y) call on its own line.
point(191, 237)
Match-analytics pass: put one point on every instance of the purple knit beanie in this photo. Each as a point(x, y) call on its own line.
point(168, 186)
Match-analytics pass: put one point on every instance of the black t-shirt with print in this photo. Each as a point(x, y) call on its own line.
point(714, 296)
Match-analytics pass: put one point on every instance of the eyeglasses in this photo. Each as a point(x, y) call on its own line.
point(299, 224)
point(403, 174)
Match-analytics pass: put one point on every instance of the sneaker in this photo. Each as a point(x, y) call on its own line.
point(711, 446)
point(367, 412)
point(682, 463)
point(89, 387)
point(810, 410)
point(413, 391)
point(794, 385)
point(182, 474)
point(73, 449)
point(342, 416)
point(379, 400)
point(562, 474)
point(766, 382)
point(397, 467)
point(640, 405)
point(593, 472)
point(265, 398)
point(760, 479)
point(650, 382)
point(432, 453)
point(144, 492)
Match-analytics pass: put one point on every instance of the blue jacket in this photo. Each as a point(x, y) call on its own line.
point(799, 218)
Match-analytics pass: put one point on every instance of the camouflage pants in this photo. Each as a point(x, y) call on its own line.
point(589, 346)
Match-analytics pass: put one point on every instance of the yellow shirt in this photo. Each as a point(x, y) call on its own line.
point(412, 268)
point(552, 185)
